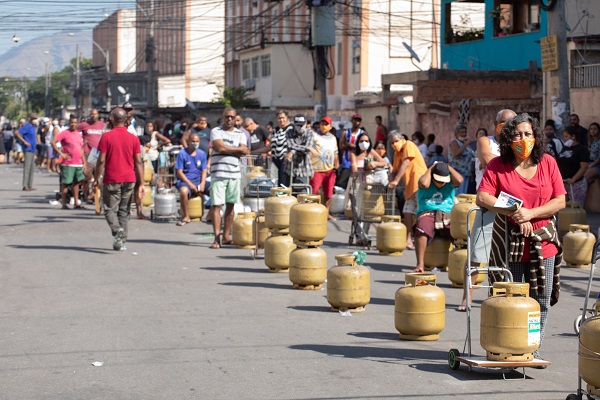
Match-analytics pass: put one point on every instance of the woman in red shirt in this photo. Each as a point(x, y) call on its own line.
point(525, 171)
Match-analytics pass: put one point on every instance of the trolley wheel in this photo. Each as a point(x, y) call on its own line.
point(572, 397)
point(453, 363)
point(578, 321)
point(151, 214)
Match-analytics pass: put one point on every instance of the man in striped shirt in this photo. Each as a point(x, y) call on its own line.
point(228, 145)
point(279, 149)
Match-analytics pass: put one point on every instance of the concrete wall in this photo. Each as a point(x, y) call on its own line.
point(448, 90)
point(585, 102)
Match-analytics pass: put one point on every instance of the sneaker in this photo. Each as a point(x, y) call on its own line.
point(118, 242)
point(123, 248)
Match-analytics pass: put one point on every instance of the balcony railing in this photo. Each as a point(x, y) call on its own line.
point(585, 76)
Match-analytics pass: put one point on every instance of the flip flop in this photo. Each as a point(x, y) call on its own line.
point(418, 270)
point(410, 247)
point(142, 217)
point(215, 245)
point(64, 208)
point(461, 308)
point(227, 242)
point(80, 207)
point(182, 223)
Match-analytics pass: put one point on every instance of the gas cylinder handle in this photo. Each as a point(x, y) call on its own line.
point(579, 227)
point(281, 190)
point(345, 260)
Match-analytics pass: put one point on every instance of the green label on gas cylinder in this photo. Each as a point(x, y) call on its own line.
point(533, 328)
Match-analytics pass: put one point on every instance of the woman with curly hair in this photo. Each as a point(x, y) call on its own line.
point(525, 171)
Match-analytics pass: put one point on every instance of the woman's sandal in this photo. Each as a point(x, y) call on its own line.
point(216, 244)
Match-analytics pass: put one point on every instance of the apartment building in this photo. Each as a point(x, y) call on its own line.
point(268, 48)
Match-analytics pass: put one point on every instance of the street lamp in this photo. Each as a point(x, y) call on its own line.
point(106, 55)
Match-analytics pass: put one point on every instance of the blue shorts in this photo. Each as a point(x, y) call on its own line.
point(181, 184)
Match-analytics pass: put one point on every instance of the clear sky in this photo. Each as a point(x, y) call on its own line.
point(28, 19)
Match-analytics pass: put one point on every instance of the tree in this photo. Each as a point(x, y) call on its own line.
point(59, 94)
point(236, 97)
point(13, 100)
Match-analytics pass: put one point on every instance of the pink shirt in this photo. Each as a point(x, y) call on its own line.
point(545, 185)
point(91, 134)
point(72, 144)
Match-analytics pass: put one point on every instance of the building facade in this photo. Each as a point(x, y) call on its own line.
point(269, 48)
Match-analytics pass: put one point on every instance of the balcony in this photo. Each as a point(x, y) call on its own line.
point(585, 76)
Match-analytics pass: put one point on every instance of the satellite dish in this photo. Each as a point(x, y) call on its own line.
point(412, 52)
point(121, 90)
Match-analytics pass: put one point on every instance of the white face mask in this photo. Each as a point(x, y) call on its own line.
point(569, 143)
point(364, 146)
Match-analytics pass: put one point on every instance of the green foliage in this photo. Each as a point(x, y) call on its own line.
point(238, 97)
point(13, 97)
point(59, 90)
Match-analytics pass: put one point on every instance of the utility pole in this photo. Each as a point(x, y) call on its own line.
point(322, 38)
point(46, 100)
point(559, 78)
point(150, 58)
point(77, 84)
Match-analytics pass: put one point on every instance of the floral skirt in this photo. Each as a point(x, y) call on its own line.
point(576, 192)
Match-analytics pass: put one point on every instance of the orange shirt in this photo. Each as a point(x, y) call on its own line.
point(416, 167)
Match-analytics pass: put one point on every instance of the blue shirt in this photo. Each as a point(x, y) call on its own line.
point(29, 133)
point(434, 198)
point(192, 166)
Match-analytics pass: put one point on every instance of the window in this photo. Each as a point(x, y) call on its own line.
point(265, 61)
point(255, 67)
point(357, 7)
point(511, 16)
point(245, 69)
point(464, 21)
point(355, 57)
point(339, 58)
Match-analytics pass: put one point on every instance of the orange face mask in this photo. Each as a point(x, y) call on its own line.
point(398, 145)
point(381, 152)
point(325, 129)
point(523, 148)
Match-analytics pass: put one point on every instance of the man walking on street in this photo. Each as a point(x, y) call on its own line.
point(27, 135)
point(298, 160)
point(229, 144)
point(121, 161)
point(71, 171)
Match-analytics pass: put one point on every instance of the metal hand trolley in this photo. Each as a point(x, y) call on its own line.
point(298, 187)
point(454, 356)
point(369, 201)
point(166, 165)
point(256, 184)
point(584, 315)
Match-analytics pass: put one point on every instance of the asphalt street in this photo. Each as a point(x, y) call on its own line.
point(172, 319)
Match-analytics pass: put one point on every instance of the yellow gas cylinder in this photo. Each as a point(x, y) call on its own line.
point(391, 236)
point(373, 206)
point(308, 268)
point(572, 214)
point(309, 198)
point(457, 262)
point(148, 172)
point(147, 199)
point(420, 308)
point(589, 352)
point(195, 208)
point(254, 172)
point(243, 230)
point(260, 231)
point(348, 285)
point(277, 252)
point(436, 253)
point(510, 323)
point(277, 208)
point(458, 216)
point(308, 220)
point(578, 245)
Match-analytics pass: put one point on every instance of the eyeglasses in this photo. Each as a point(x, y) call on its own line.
point(229, 116)
point(515, 137)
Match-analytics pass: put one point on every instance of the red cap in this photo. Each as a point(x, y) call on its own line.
point(356, 116)
point(327, 119)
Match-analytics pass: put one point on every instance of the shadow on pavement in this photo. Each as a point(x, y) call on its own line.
point(386, 354)
point(476, 374)
point(311, 308)
point(376, 335)
point(257, 284)
point(64, 248)
point(165, 242)
point(384, 302)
